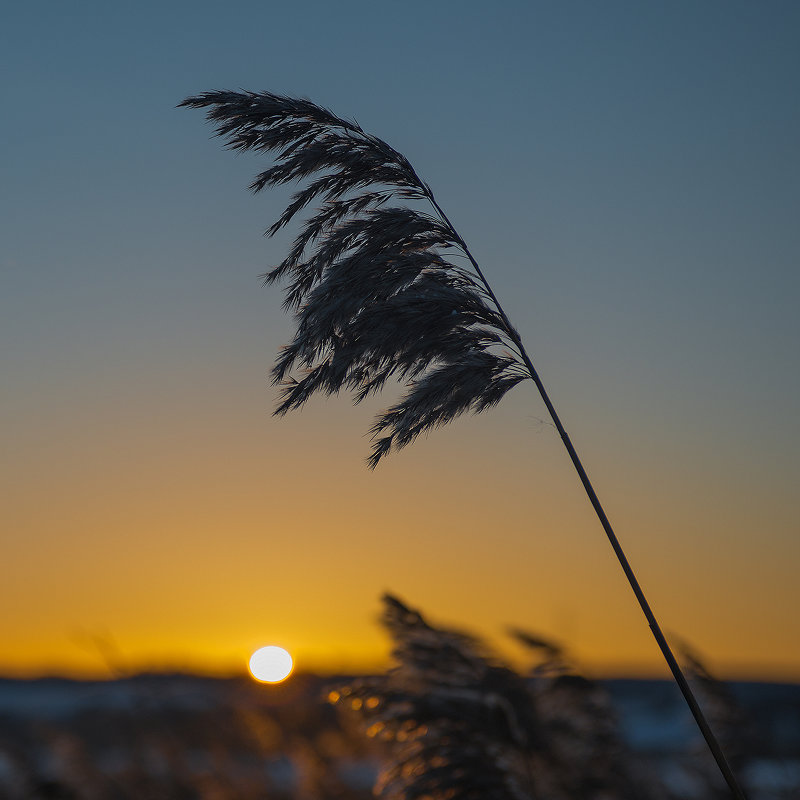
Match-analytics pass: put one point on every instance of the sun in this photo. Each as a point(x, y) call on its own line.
point(271, 664)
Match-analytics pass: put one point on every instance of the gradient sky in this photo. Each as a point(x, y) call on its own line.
point(627, 173)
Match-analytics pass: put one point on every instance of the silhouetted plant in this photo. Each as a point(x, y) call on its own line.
point(460, 725)
point(378, 297)
point(376, 294)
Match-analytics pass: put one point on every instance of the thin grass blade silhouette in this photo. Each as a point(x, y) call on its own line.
point(376, 295)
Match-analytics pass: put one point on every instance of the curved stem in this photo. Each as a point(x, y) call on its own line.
point(677, 673)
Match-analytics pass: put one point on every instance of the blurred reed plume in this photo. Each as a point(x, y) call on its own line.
point(458, 724)
point(376, 295)
point(724, 713)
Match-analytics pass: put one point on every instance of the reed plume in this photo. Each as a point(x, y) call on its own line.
point(459, 725)
point(376, 295)
point(373, 286)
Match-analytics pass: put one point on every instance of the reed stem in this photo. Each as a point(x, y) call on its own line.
point(677, 673)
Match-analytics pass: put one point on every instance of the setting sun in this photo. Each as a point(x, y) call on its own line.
point(271, 664)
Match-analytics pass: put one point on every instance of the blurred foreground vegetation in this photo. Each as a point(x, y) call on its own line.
point(448, 721)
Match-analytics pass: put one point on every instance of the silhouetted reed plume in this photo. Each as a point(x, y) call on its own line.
point(376, 295)
point(371, 285)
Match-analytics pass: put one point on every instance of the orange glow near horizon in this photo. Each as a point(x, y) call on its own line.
point(159, 563)
point(177, 583)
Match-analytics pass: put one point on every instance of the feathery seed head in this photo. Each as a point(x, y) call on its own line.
point(372, 288)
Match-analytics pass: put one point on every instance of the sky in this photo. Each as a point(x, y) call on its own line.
point(627, 175)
